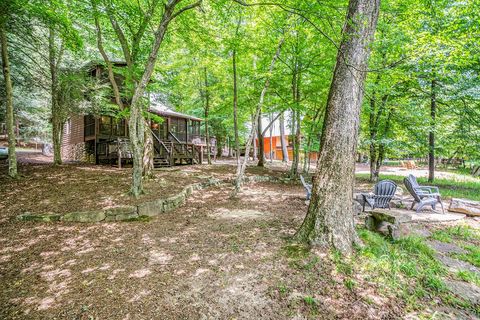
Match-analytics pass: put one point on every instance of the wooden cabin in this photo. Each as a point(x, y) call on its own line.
point(104, 139)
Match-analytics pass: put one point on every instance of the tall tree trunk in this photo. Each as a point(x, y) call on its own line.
point(12, 156)
point(297, 123)
point(329, 221)
point(261, 142)
point(431, 134)
point(282, 138)
point(243, 165)
point(57, 114)
point(235, 108)
point(207, 109)
point(296, 146)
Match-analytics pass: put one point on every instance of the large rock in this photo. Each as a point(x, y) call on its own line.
point(151, 208)
point(469, 207)
point(121, 213)
point(84, 216)
point(466, 291)
point(45, 217)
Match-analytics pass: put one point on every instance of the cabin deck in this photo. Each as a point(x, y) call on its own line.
point(166, 153)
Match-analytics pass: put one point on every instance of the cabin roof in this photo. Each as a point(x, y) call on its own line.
point(170, 113)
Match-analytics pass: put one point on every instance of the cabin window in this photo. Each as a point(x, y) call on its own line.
point(89, 125)
point(182, 129)
point(105, 125)
point(194, 128)
point(118, 126)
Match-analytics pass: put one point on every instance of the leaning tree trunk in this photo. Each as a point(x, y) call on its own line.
point(329, 221)
point(12, 157)
point(431, 134)
point(282, 139)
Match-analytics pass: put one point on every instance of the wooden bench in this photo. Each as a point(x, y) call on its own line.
point(393, 219)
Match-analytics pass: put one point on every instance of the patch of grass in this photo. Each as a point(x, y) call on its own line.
point(296, 251)
point(407, 266)
point(283, 289)
point(350, 283)
point(469, 276)
point(344, 266)
point(312, 305)
point(465, 233)
point(310, 301)
point(448, 187)
point(472, 256)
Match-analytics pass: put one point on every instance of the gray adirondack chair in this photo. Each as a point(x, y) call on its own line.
point(422, 195)
point(383, 193)
point(307, 186)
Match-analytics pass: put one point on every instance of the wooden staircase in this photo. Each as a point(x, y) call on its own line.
point(169, 153)
point(159, 162)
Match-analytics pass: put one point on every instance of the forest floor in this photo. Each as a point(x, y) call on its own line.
point(213, 258)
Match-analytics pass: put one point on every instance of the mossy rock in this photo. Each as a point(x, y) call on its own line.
point(46, 217)
point(84, 216)
point(151, 208)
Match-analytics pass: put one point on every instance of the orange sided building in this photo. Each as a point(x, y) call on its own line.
point(276, 148)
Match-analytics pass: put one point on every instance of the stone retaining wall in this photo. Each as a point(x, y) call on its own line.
point(146, 209)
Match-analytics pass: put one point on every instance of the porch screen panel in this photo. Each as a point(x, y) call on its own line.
point(106, 125)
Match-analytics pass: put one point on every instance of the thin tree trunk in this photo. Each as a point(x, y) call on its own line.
point(271, 142)
point(207, 107)
point(57, 118)
point(296, 146)
point(148, 151)
point(431, 134)
point(235, 108)
point(261, 142)
point(329, 221)
point(10, 123)
point(282, 138)
point(241, 168)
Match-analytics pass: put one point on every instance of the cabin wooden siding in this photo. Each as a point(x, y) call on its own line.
point(73, 142)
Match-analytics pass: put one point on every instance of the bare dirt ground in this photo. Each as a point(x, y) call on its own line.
point(214, 258)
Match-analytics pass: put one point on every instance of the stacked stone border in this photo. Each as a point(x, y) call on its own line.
point(146, 209)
